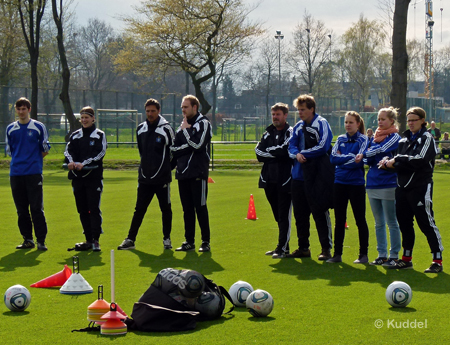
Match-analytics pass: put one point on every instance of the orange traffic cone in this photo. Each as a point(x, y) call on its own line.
point(57, 279)
point(346, 226)
point(251, 214)
point(210, 180)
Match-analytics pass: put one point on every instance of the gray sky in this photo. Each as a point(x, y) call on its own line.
point(284, 15)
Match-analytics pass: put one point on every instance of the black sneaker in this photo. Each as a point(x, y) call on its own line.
point(434, 268)
point(27, 244)
point(335, 259)
point(379, 261)
point(402, 265)
point(83, 246)
point(126, 244)
point(390, 262)
point(167, 243)
point(41, 246)
point(325, 255)
point(186, 247)
point(96, 246)
point(362, 259)
point(205, 247)
point(299, 253)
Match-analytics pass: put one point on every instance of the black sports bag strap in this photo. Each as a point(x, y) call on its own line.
point(224, 292)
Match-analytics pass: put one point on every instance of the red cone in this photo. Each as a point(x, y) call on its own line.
point(57, 279)
point(251, 214)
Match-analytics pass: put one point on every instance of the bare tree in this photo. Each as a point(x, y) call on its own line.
point(94, 49)
point(442, 73)
point(311, 49)
point(416, 59)
point(400, 60)
point(31, 13)
point(13, 56)
point(362, 44)
point(266, 67)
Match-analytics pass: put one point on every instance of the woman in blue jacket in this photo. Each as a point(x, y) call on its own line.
point(349, 185)
point(381, 184)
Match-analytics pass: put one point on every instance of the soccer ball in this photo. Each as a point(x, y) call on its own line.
point(259, 303)
point(193, 285)
point(239, 292)
point(17, 298)
point(398, 294)
point(210, 305)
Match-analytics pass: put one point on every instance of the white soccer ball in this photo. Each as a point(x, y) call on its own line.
point(17, 298)
point(398, 294)
point(259, 303)
point(239, 292)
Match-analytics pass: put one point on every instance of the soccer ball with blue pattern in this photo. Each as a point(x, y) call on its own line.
point(239, 292)
point(398, 294)
point(259, 303)
point(17, 298)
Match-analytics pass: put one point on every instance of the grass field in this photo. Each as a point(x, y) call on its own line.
point(315, 302)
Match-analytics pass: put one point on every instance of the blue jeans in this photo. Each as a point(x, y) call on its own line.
point(384, 213)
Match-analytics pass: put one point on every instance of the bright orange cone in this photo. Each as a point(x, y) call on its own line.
point(346, 226)
point(251, 214)
point(57, 279)
point(210, 180)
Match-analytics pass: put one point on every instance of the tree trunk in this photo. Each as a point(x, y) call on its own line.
point(4, 111)
point(34, 84)
point(201, 97)
point(400, 61)
point(214, 105)
point(64, 95)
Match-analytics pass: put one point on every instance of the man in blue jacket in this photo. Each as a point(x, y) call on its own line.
point(312, 177)
point(27, 144)
point(275, 176)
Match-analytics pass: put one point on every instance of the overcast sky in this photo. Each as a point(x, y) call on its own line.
point(284, 15)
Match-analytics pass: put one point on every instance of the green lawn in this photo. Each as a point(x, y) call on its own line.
point(315, 302)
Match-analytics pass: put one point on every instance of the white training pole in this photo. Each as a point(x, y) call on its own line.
point(112, 277)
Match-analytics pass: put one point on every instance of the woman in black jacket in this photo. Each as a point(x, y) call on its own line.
point(84, 155)
point(414, 164)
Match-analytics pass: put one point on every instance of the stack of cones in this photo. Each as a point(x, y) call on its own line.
point(251, 213)
point(98, 308)
point(113, 324)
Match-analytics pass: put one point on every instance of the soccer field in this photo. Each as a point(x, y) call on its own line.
point(315, 302)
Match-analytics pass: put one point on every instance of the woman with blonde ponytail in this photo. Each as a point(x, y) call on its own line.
point(381, 184)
